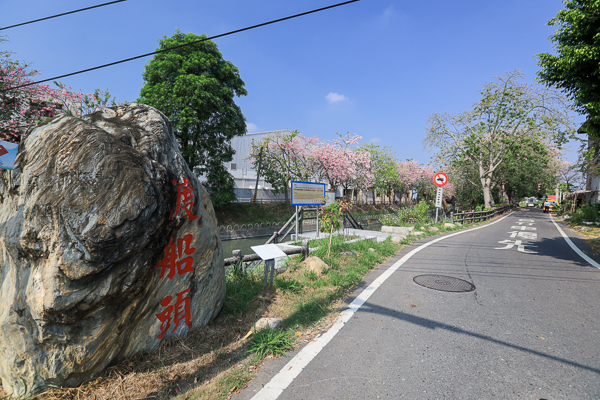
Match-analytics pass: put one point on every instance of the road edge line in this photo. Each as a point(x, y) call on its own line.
point(275, 387)
point(572, 245)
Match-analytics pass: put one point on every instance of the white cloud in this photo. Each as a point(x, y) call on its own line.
point(251, 127)
point(335, 98)
point(375, 140)
point(389, 12)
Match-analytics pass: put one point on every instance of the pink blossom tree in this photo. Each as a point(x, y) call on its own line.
point(26, 107)
point(285, 157)
point(339, 165)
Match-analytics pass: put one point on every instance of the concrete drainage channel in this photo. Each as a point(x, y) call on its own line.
point(444, 283)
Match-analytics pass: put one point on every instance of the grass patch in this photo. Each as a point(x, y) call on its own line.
point(270, 341)
point(215, 361)
point(240, 292)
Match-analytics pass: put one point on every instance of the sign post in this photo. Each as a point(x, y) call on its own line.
point(307, 194)
point(8, 153)
point(268, 253)
point(440, 179)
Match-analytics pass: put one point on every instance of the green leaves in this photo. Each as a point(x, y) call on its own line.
point(575, 67)
point(270, 341)
point(195, 88)
point(478, 142)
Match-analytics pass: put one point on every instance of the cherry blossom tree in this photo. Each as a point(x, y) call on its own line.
point(339, 165)
point(285, 157)
point(26, 107)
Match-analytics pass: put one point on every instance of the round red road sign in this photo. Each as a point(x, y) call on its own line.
point(440, 179)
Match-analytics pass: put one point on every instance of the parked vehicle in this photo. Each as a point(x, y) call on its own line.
point(549, 205)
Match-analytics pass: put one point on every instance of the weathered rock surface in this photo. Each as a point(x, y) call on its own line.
point(397, 238)
point(449, 225)
point(433, 229)
point(104, 248)
point(315, 264)
point(397, 230)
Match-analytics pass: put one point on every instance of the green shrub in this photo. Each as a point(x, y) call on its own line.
point(409, 215)
point(270, 341)
point(241, 289)
point(588, 212)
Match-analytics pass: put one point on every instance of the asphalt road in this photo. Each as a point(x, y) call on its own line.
point(529, 330)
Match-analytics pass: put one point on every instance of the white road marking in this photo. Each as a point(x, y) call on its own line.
point(524, 235)
point(520, 245)
point(292, 369)
point(575, 248)
point(524, 228)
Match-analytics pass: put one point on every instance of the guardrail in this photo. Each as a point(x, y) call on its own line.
point(238, 259)
point(250, 200)
point(478, 215)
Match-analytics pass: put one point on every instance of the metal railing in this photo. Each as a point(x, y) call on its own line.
point(250, 200)
point(238, 259)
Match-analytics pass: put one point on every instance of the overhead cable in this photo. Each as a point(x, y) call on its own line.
point(60, 15)
point(182, 45)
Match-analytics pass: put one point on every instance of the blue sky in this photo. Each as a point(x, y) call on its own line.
point(377, 68)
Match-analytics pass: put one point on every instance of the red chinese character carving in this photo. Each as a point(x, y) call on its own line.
point(169, 260)
point(182, 313)
point(184, 246)
point(185, 200)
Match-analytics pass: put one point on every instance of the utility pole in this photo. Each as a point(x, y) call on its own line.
point(257, 174)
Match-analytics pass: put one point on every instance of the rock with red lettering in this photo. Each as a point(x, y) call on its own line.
point(109, 244)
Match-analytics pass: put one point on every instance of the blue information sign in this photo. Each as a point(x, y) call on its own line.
point(307, 193)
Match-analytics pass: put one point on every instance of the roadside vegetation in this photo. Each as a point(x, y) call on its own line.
point(248, 213)
point(585, 220)
point(220, 359)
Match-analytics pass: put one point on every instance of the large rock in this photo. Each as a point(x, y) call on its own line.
point(397, 230)
point(105, 250)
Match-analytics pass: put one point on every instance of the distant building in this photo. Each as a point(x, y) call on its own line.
point(240, 167)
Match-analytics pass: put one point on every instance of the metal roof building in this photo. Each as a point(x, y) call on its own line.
point(239, 167)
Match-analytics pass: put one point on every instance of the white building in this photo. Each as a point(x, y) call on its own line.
point(240, 167)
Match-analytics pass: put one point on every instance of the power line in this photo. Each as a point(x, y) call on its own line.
point(60, 15)
point(182, 45)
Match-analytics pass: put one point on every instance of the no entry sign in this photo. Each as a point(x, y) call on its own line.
point(440, 179)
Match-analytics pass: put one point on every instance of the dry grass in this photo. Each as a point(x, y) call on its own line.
point(590, 232)
point(213, 362)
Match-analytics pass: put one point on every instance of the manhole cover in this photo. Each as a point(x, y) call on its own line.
point(444, 283)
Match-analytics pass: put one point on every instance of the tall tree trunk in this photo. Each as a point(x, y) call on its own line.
point(505, 196)
point(487, 194)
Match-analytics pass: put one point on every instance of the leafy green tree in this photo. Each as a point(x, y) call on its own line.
point(574, 69)
point(195, 88)
point(385, 170)
point(507, 112)
point(530, 169)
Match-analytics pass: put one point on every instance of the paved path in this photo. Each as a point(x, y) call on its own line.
point(530, 329)
point(356, 232)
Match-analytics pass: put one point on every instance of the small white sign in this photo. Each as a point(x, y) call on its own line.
point(268, 251)
point(438, 197)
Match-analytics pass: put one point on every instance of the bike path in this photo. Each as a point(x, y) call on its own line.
point(528, 330)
